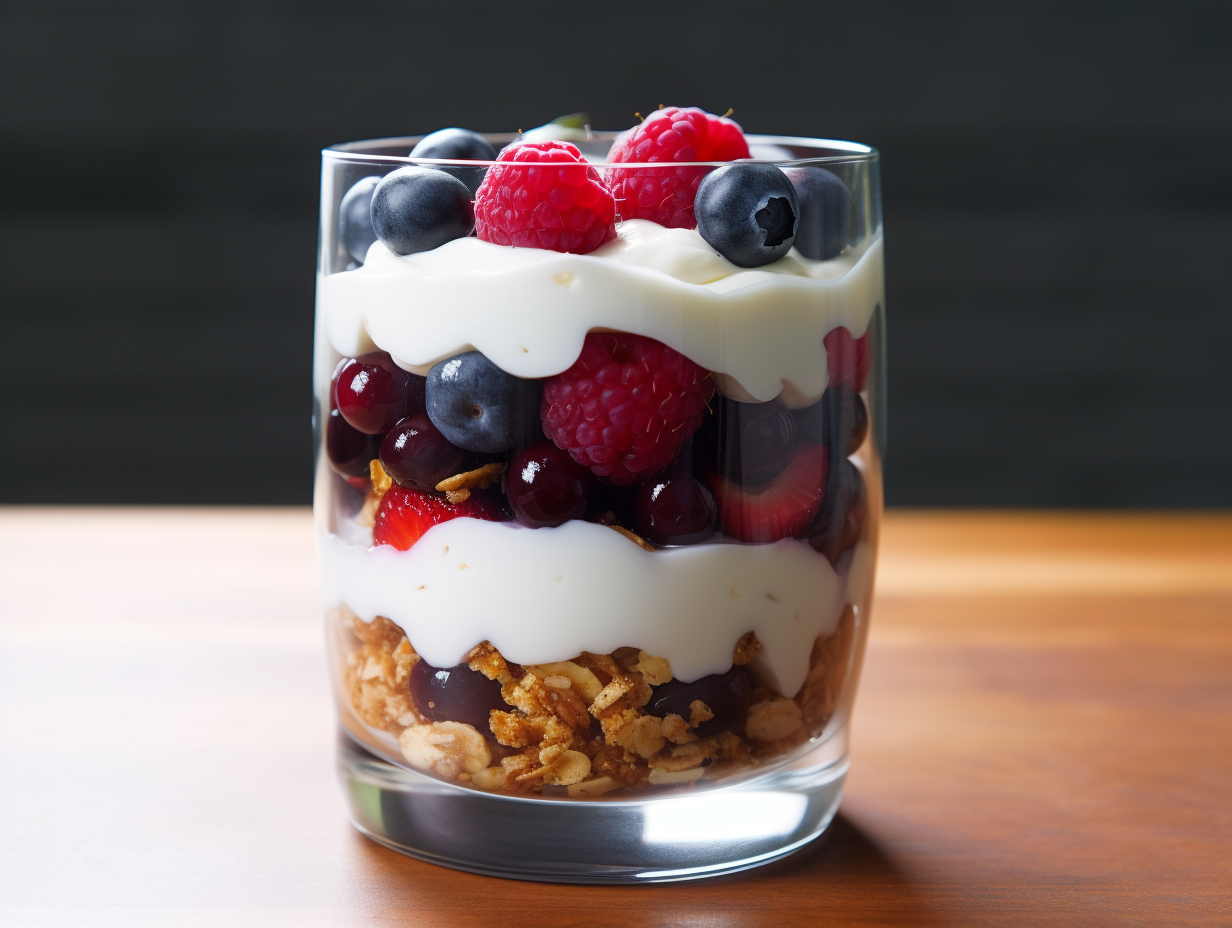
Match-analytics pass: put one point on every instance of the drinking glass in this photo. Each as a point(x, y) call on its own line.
point(639, 667)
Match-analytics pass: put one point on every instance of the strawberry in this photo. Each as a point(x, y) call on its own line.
point(780, 509)
point(406, 514)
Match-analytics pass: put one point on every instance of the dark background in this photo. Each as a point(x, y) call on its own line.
point(1058, 208)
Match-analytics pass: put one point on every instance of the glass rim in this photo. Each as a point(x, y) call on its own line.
point(845, 152)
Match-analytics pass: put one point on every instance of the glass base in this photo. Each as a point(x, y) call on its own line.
point(679, 836)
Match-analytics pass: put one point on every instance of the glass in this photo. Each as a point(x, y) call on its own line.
point(633, 659)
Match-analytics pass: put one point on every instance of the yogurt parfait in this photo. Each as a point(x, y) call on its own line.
point(597, 491)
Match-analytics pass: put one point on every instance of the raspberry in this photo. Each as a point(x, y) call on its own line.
point(626, 406)
point(405, 514)
point(524, 202)
point(665, 195)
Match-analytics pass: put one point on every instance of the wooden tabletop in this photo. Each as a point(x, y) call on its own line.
point(1043, 736)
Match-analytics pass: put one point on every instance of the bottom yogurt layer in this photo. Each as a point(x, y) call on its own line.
point(544, 595)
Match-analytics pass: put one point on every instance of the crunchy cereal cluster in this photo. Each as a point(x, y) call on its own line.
point(580, 724)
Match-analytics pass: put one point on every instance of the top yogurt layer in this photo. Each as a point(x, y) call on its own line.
point(759, 330)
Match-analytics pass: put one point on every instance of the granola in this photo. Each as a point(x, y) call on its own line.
point(582, 726)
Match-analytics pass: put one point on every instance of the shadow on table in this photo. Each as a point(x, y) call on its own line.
point(844, 877)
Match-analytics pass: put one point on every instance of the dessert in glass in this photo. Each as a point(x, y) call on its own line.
point(598, 489)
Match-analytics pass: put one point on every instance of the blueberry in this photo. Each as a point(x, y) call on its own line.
point(838, 420)
point(727, 695)
point(459, 145)
point(415, 209)
point(839, 521)
point(355, 232)
point(747, 213)
point(825, 212)
point(475, 404)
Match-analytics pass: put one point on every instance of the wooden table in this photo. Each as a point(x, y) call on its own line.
point(1043, 736)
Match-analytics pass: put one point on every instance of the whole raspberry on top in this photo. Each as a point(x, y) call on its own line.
point(626, 406)
point(665, 195)
point(544, 195)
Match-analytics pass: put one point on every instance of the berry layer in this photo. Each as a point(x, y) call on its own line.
point(544, 595)
point(528, 310)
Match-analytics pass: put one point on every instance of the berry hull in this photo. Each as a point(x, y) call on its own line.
point(592, 556)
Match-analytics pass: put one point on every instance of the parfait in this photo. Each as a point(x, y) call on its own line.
point(597, 495)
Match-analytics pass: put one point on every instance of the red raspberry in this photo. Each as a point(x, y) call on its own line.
point(847, 359)
point(626, 406)
point(665, 195)
point(524, 202)
point(406, 514)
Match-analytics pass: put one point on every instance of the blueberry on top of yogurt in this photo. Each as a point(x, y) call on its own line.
point(417, 209)
point(355, 231)
point(457, 145)
point(825, 212)
point(748, 213)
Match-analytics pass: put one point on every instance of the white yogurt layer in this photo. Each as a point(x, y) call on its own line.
point(542, 595)
point(529, 309)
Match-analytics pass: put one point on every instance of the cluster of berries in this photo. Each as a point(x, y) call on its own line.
point(546, 195)
point(632, 431)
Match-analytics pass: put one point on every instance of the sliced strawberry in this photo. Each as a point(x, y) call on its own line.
point(847, 358)
point(405, 514)
point(782, 508)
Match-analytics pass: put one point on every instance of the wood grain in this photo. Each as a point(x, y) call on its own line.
point(1042, 737)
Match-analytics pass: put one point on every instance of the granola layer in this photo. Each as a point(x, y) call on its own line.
point(580, 727)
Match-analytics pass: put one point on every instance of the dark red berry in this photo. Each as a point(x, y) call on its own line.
point(727, 695)
point(748, 443)
point(546, 487)
point(373, 393)
point(455, 694)
point(675, 508)
point(348, 449)
point(417, 455)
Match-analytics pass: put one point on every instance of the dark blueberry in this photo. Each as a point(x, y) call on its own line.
point(457, 145)
point(840, 520)
point(476, 405)
point(455, 694)
point(826, 208)
point(546, 487)
point(726, 694)
point(417, 455)
point(417, 209)
point(355, 231)
point(839, 419)
point(675, 508)
point(749, 443)
point(373, 393)
point(747, 213)
point(349, 450)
